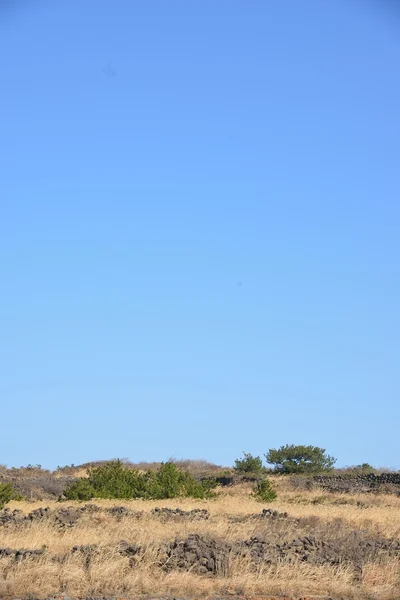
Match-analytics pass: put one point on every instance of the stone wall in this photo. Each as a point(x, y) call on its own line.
point(360, 482)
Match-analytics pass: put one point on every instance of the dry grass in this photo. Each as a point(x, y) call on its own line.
point(109, 573)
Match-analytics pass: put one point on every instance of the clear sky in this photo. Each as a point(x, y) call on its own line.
point(200, 229)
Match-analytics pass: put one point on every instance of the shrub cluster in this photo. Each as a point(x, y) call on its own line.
point(115, 480)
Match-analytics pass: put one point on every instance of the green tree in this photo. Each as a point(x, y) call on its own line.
point(8, 493)
point(248, 464)
point(300, 459)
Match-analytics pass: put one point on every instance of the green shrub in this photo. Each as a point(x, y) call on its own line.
point(8, 493)
point(80, 490)
point(248, 464)
point(208, 484)
point(112, 480)
point(115, 480)
point(166, 482)
point(170, 482)
point(263, 491)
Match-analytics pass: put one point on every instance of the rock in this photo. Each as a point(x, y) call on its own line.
point(67, 517)
point(197, 514)
point(39, 514)
point(87, 550)
point(128, 549)
point(198, 554)
point(11, 516)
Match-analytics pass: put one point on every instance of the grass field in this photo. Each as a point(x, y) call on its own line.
point(333, 517)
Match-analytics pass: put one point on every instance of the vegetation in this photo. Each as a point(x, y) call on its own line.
point(300, 459)
point(248, 464)
point(99, 569)
point(263, 491)
point(115, 480)
point(364, 468)
point(8, 493)
point(80, 490)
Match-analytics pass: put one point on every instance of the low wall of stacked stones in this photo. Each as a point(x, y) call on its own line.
point(360, 482)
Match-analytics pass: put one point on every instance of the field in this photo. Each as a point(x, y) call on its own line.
point(306, 544)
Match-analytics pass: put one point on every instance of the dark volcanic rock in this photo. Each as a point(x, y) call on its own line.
point(359, 482)
point(119, 512)
point(128, 549)
point(87, 550)
point(268, 513)
point(21, 553)
point(198, 554)
point(204, 555)
point(67, 517)
point(197, 514)
point(11, 516)
point(39, 513)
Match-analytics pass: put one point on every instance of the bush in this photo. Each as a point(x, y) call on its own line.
point(80, 490)
point(300, 459)
point(263, 491)
point(8, 493)
point(112, 480)
point(170, 482)
point(115, 480)
point(248, 464)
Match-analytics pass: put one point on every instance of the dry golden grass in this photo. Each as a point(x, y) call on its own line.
point(109, 573)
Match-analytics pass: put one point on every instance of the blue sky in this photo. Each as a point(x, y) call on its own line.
point(199, 234)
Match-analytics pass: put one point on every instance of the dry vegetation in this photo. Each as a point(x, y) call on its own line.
point(333, 517)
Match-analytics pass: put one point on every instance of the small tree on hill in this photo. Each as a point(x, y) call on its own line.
point(248, 464)
point(300, 459)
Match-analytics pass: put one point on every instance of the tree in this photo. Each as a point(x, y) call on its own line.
point(300, 459)
point(248, 464)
